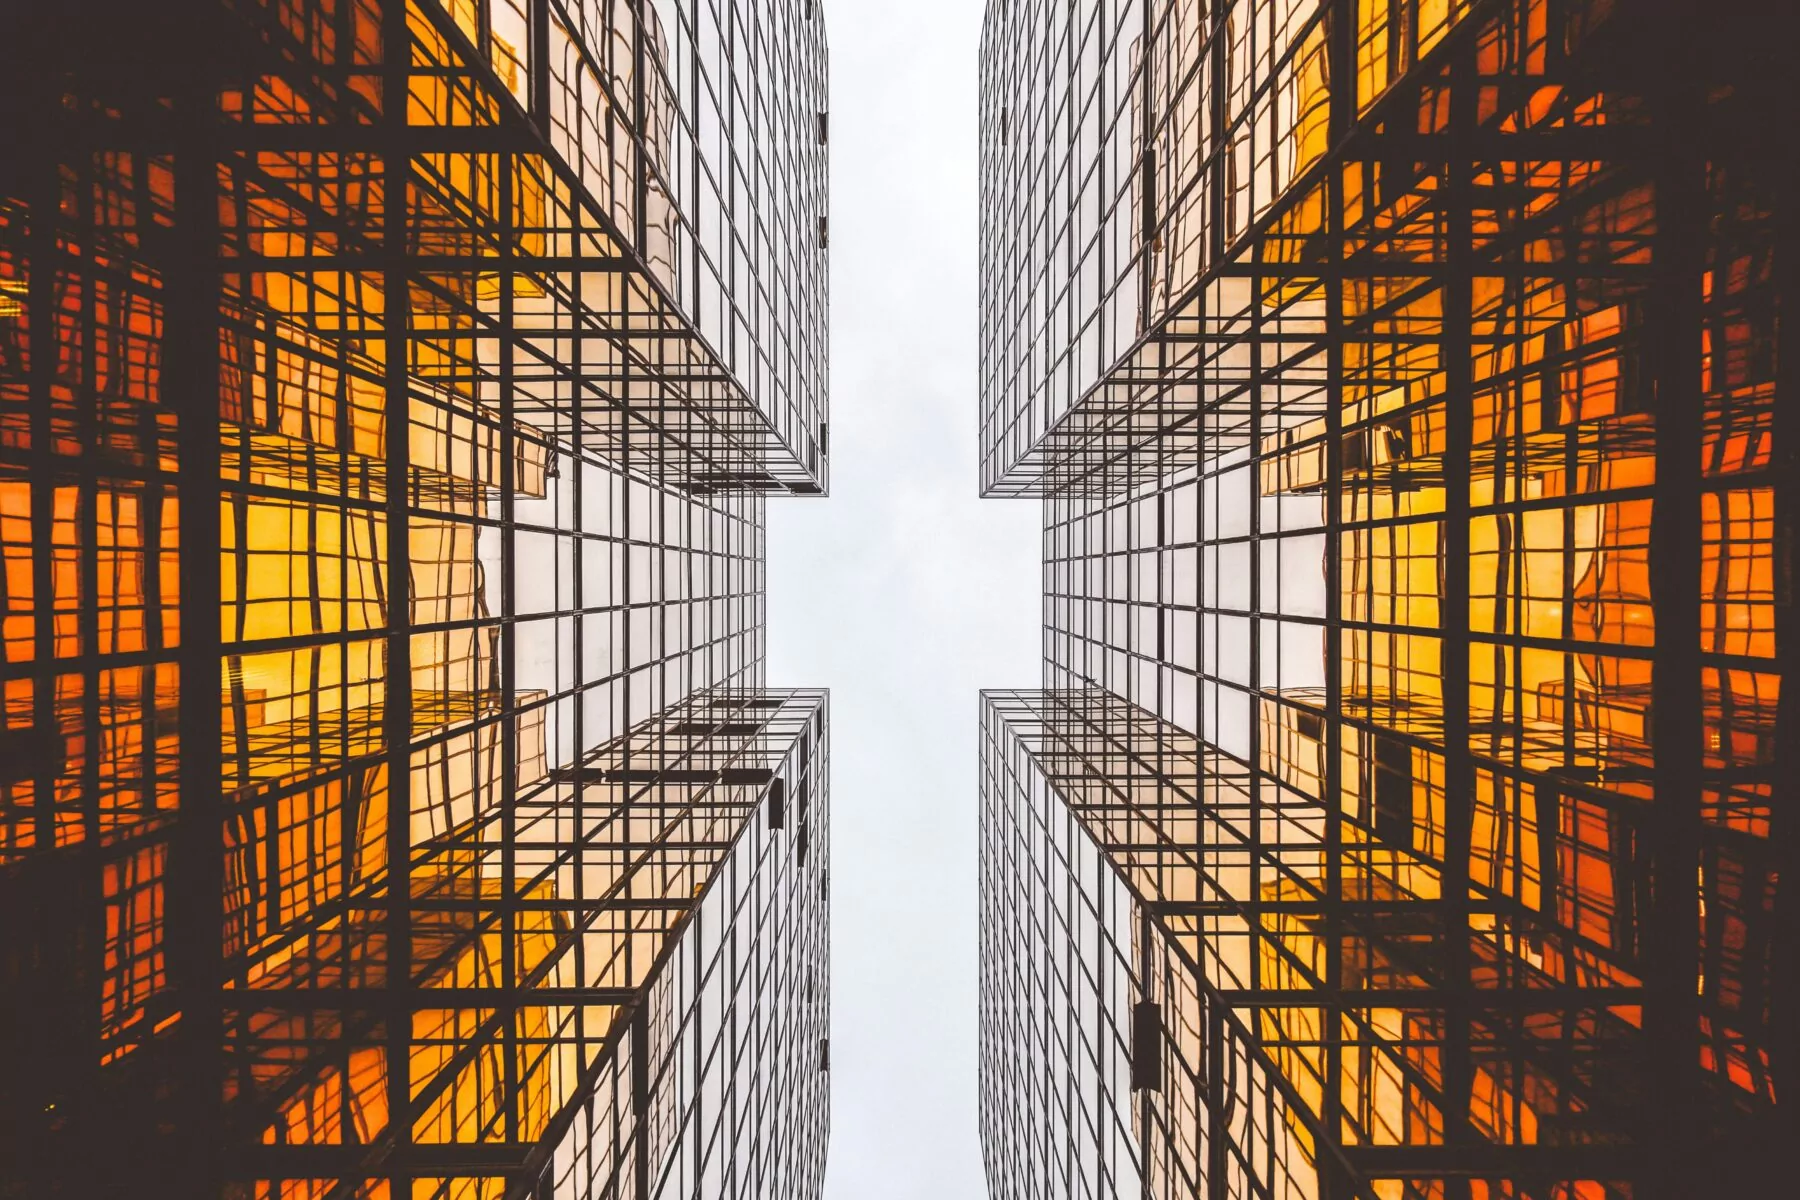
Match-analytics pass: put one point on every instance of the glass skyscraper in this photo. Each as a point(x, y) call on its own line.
point(391, 800)
point(1405, 388)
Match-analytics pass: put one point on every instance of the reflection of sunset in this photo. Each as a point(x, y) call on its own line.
point(367, 413)
point(1411, 608)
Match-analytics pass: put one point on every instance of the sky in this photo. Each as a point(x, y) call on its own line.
point(904, 594)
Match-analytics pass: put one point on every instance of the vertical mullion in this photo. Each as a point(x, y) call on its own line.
point(1675, 828)
point(397, 710)
point(45, 263)
point(1333, 1182)
point(196, 859)
point(507, 707)
point(1459, 783)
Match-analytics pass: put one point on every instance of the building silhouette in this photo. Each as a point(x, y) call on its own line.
point(1404, 386)
point(391, 800)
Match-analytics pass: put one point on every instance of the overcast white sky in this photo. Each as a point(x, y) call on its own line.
point(905, 595)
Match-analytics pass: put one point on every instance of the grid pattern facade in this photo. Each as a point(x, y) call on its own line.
point(1113, 843)
point(1057, 989)
point(1426, 509)
point(446, 351)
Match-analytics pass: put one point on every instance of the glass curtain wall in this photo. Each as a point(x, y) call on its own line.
point(1400, 381)
point(446, 352)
